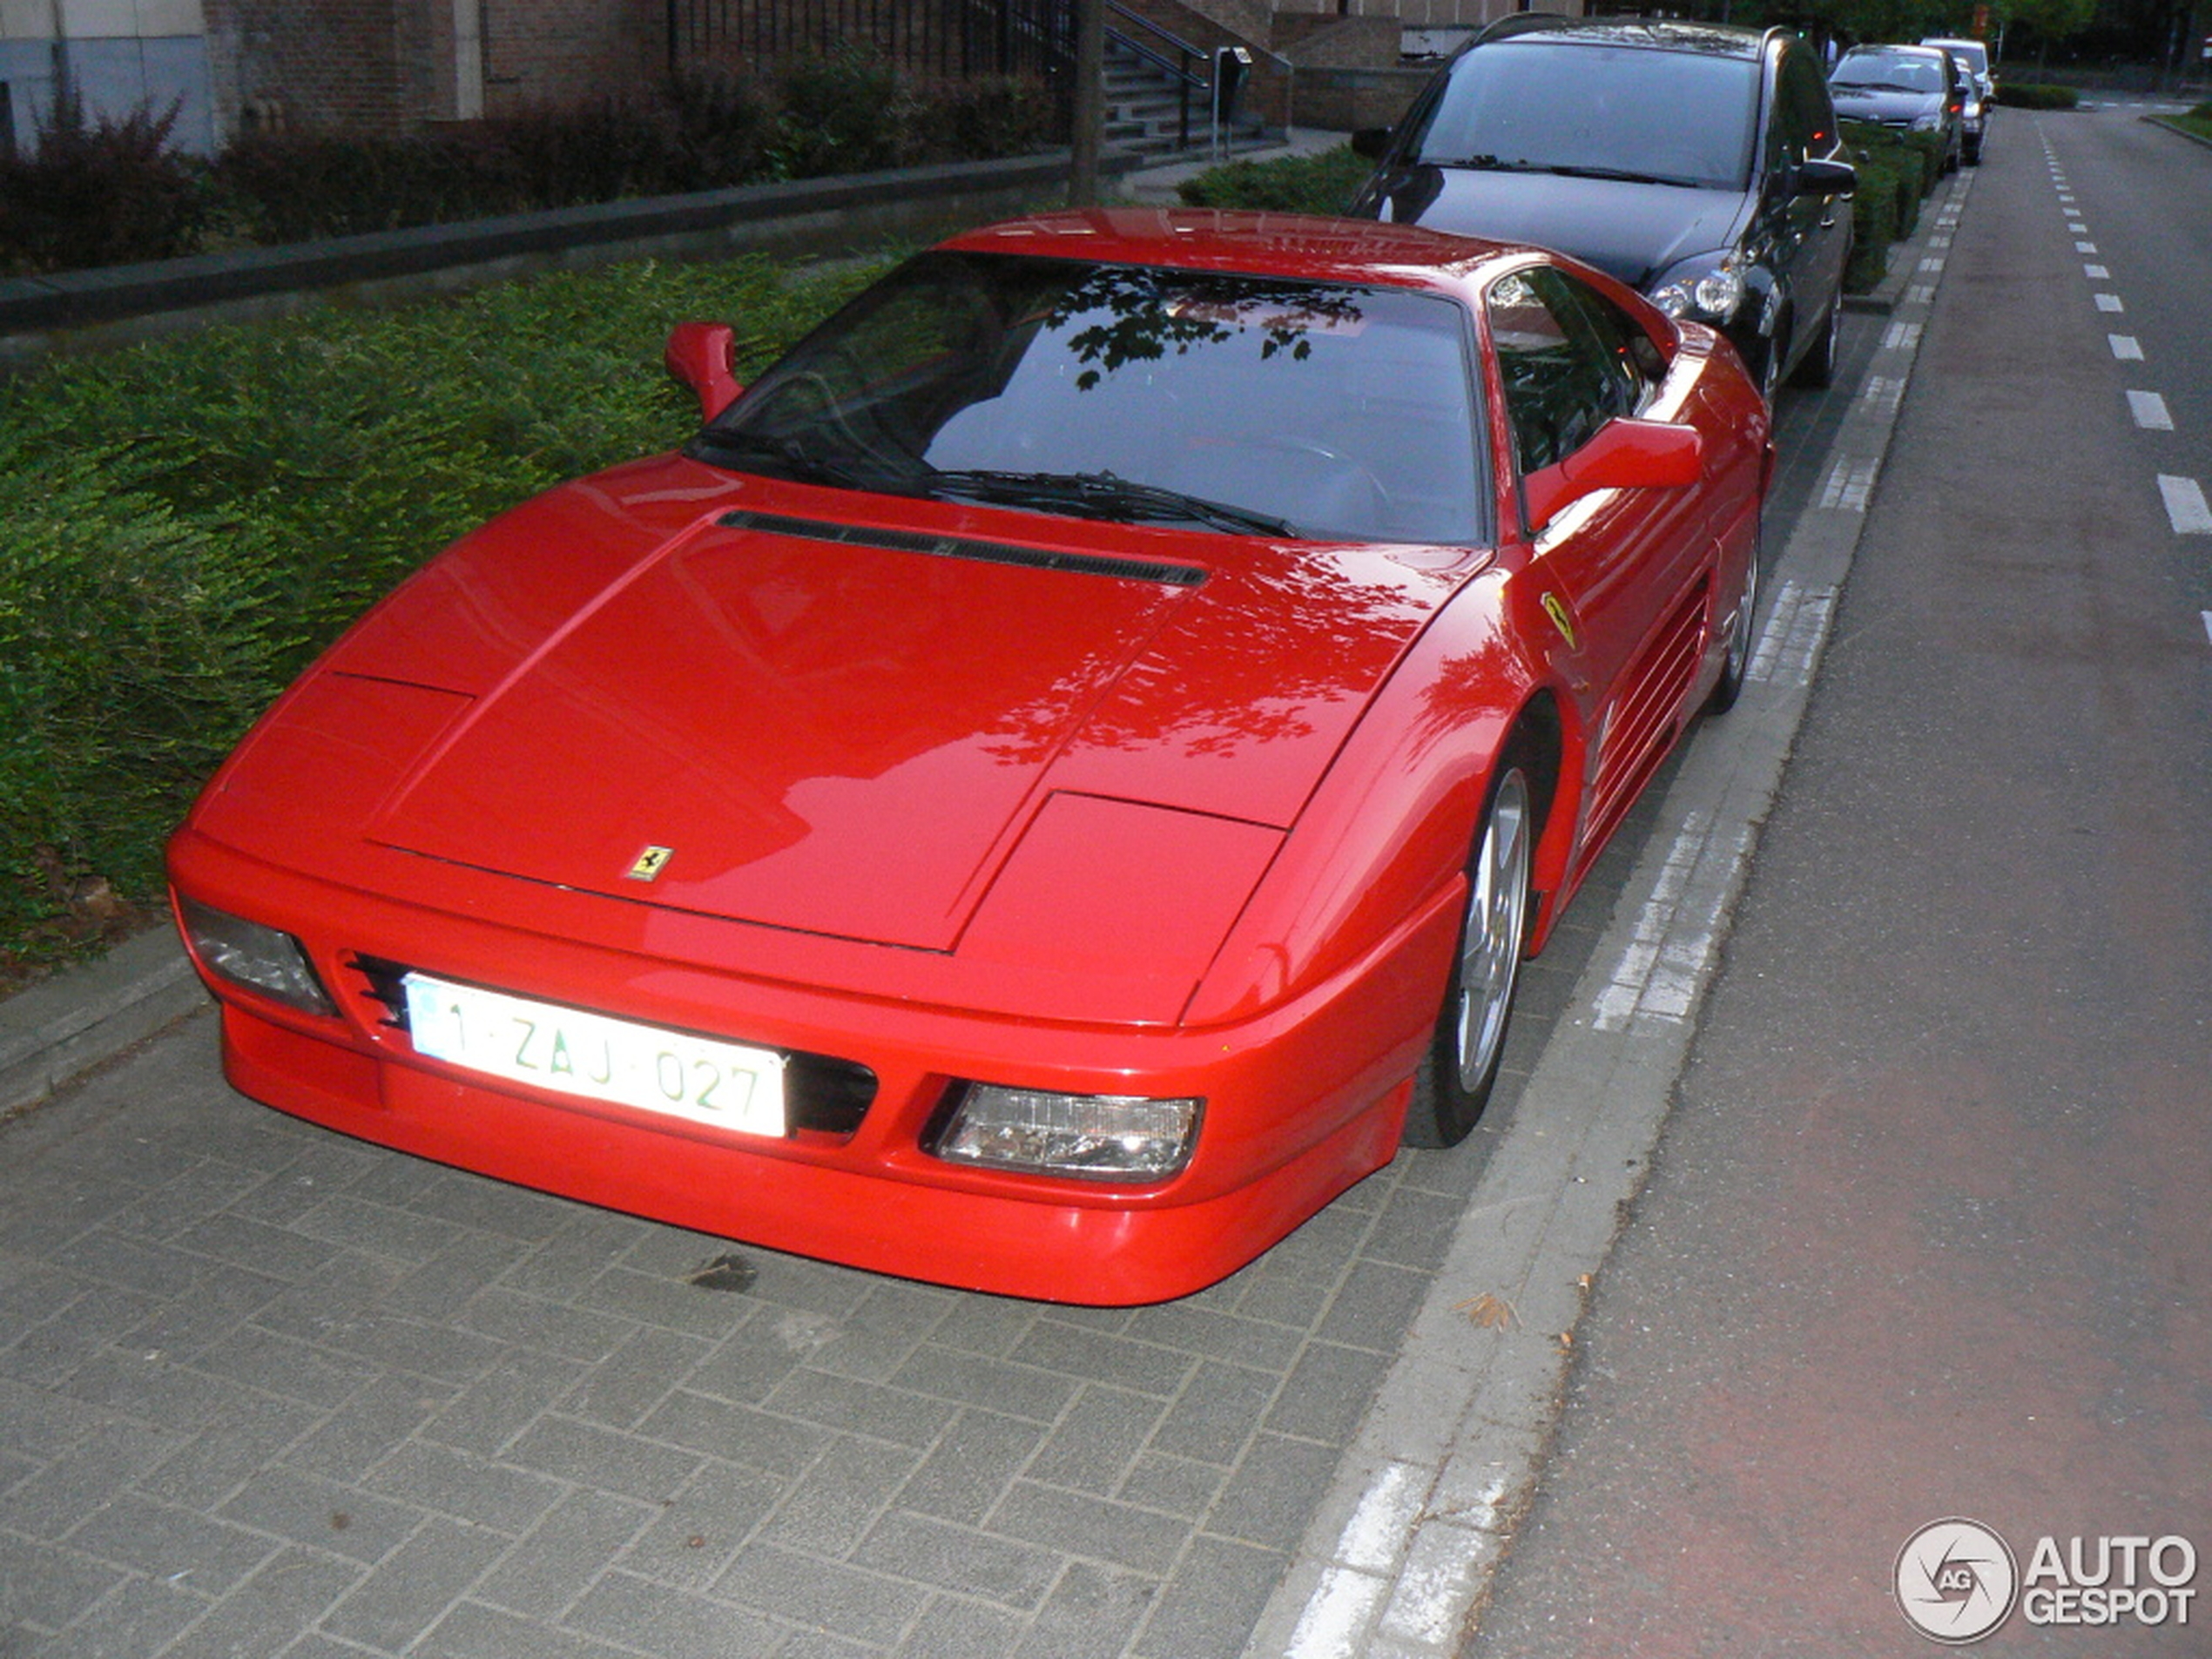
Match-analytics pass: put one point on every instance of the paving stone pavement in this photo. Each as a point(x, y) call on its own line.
point(267, 1391)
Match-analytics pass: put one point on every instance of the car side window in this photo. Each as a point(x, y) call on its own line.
point(1808, 116)
point(1638, 364)
point(1564, 374)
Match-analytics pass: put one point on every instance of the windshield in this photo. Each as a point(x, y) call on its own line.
point(1249, 405)
point(1671, 117)
point(1889, 73)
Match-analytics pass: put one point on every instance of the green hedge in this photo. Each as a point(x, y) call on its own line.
point(184, 524)
point(96, 193)
point(2024, 96)
point(1897, 171)
point(1323, 183)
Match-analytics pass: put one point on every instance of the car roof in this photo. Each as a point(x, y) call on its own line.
point(1925, 49)
point(1657, 34)
point(1246, 242)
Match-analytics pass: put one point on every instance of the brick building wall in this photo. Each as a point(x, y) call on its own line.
point(392, 66)
point(541, 52)
point(317, 64)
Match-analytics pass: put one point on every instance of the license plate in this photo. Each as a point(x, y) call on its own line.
point(729, 1085)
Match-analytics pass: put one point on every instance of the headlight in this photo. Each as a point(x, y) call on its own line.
point(1709, 296)
point(259, 958)
point(1107, 1137)
point(1926, 122)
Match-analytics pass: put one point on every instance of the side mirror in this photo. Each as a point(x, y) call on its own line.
point(1623, 454)
point(1373, 143)
point(1819, 177)
point(703, 356)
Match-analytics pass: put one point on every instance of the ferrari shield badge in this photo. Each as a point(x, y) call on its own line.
point(651, 863)
point(1555, 608)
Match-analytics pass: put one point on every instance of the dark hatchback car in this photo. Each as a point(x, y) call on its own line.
point(1698, 163)
point(1914, 89)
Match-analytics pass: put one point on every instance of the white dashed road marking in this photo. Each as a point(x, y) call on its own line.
point(2109, 302)
point(2150, 411)
point(2126, 347)
point(2185, 505)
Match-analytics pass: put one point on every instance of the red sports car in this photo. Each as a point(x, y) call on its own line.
point(1045, 791)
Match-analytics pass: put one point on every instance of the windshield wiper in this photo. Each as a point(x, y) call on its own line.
point(1103, 494)
point(1480, 164)
point(1624, 175)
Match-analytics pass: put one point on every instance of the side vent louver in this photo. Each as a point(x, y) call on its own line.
point(959, 547)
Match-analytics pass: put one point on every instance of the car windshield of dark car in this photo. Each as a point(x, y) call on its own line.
point(1250, 405)
point(1670, 116)
point(1880, 72)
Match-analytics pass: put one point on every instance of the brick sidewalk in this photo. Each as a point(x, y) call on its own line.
point(267, 1390)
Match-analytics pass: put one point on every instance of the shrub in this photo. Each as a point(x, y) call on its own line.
point(134, 643)
point(1323, 183)
point(183, 524)
point(839, 115)
point(596, 152)
point(1902, 166)
point(2027, 95)
point(1874, 222)
point(297, 187)
point(112, 192)
point(104, 192)
point(977, 119)
point(725, 125)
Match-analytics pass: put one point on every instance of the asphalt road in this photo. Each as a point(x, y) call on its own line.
point(1924, 1234)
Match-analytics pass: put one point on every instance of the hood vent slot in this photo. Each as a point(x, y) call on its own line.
point(960, 547)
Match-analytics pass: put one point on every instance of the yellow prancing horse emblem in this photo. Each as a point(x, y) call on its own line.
point(651, 863)
point(1555, 608)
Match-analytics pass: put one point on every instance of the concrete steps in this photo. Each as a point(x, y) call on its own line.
point(1144, 111)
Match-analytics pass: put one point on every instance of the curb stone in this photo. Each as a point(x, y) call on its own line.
point(1399, 1555)
point(55, 1031)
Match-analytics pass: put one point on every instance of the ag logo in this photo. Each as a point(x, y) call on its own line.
point(1956, 1581)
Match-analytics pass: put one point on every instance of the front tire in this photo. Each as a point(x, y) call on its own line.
point(1817, 367)
point(1456, 1075)
point(1742, 630)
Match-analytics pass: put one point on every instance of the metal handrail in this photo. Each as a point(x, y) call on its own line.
point(1180, 71)
point(1185, 50)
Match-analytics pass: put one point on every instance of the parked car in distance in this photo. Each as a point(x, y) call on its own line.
point(1916, 88)
point(1973, 115)
point(1051, 786)
point(1698, 163)
point(1974, 54)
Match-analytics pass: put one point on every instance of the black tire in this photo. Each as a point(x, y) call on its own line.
point(1817, 367)
point(1455, 1076)
point(1743, 630)
point(1768, 370)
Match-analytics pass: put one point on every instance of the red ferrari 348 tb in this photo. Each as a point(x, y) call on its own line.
point(1046, 790)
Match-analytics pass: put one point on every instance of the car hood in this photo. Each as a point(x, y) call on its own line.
point(1889, 108)
point(1634, 231)
point(844, 724)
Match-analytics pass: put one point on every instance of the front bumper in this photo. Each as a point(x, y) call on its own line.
point(1301, 1101)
